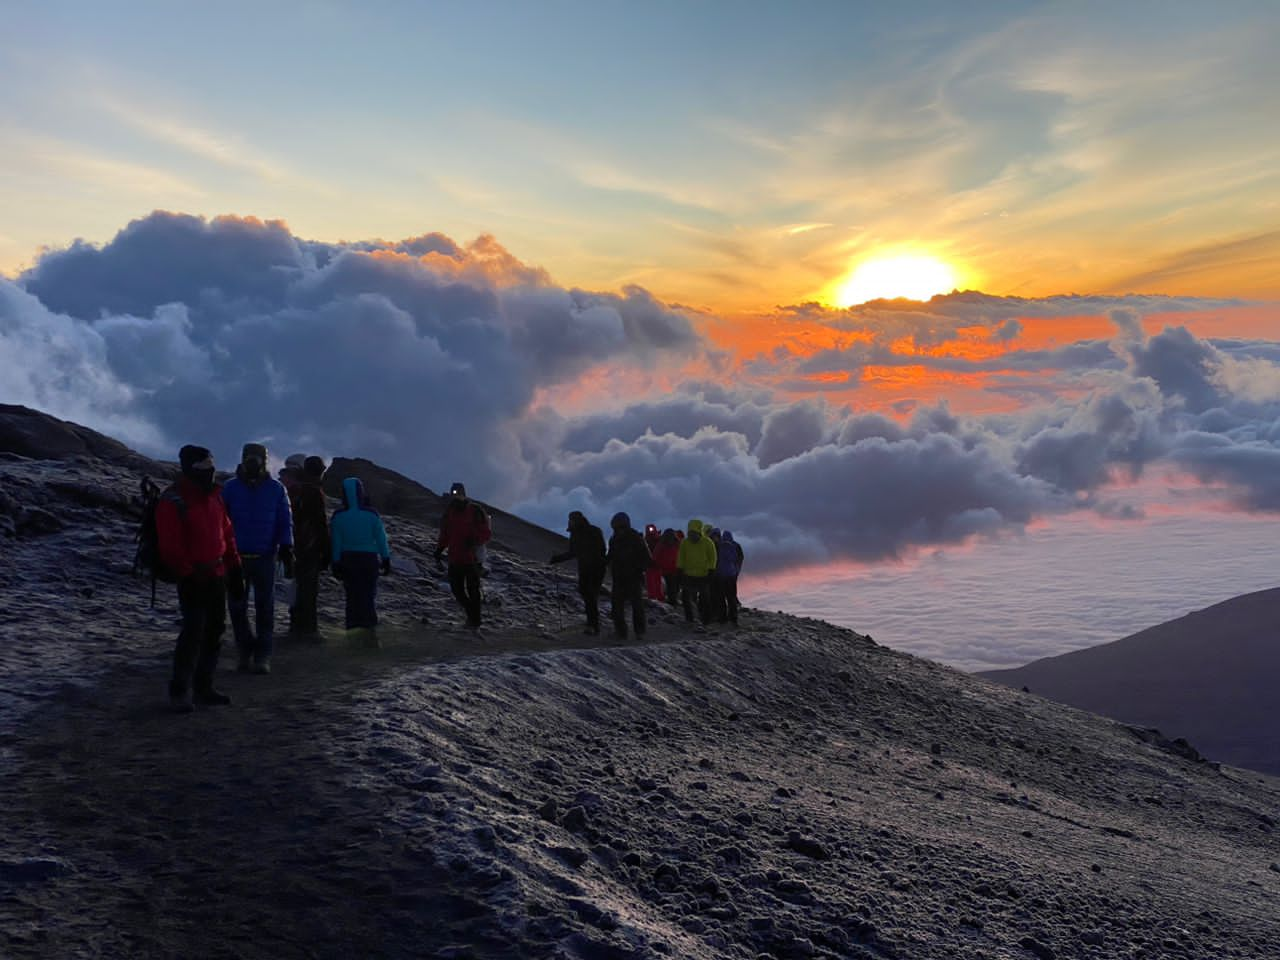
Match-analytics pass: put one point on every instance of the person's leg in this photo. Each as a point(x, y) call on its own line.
point(589, 587)
point(670, 581)
point(731, 598)
point(704, 600)
point(239, 611)
point(686, 597)
point(264, 605)
point(310, 590)
point(187, 648)
point(713, 597)
point(458, 585)
point(214, 599)
point(475, 599)
point(638, 621)
point(617, 599)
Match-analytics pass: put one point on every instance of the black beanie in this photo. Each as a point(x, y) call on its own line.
point(313, 467)
point(190, 455)
point(253, 450)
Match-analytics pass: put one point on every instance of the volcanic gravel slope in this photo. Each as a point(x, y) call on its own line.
point(788, 789)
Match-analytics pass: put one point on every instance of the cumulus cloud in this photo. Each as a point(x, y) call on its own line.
point(437, 358)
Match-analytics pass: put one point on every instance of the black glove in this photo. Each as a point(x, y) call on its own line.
point(235, 584)
point(386, 566)
point(286, 560)
point(338, 572)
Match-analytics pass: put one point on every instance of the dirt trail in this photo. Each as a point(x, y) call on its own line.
point(233, 828)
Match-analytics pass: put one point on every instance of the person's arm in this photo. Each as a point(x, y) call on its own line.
point(380, 537)
point(484, 529)
point(712, 558)
point(284, 520)
point(231, 552)
point(170, 538)
point(335, 542)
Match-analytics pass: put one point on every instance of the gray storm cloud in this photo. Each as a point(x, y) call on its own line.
point(432, 357)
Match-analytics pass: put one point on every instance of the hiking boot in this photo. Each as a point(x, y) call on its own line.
point(212, 698)
point(181, 702)
point(261, 667)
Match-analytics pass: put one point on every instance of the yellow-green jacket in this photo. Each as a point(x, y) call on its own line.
point(697, 557)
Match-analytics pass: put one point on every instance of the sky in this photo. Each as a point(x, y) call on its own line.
point(603, 257)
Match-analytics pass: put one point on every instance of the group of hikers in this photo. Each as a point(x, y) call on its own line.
point(221, 543)
point(698, 572)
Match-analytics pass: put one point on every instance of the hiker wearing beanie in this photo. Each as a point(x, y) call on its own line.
point(259, 509)
point(463, 528)
point(653, 576)
point(664, 560)
point(311, 548)
point(628, 561)
point(292, 471)
point(586, 545)
point(728, 565)
point(695, 561)
point(197, 542)
point(359, 551)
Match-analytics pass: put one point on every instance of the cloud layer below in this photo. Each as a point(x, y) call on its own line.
point(815, 434)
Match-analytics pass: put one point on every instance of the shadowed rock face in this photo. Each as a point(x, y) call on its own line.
point(1209, 677)
point(29, 433)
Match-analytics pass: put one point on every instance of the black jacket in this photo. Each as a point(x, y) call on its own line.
point(586, 545)
point(628, 556)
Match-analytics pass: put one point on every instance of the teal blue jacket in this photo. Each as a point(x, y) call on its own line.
point(356, 526)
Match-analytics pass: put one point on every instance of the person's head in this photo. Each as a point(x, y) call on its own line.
point(353, 493)
point(253, 460)
point(197, 465)
point(620, 521)
point(457, 491)
point(713, 533)
point(577, 520)
point(313, 468)
point(727, 536)
point(695, 529)
point(651, 529)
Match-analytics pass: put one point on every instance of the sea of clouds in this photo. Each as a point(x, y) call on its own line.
point(445, 361)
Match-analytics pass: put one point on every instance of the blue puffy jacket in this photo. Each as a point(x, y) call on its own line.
point(260, 514)
point(729, 556)
point(356, 526)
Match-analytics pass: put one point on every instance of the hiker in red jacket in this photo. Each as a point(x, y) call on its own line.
point(665, 557)
point(653, 576)
point(463, 528)
point(196, 541)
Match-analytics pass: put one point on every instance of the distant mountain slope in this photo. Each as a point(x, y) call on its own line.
point(1212, 676)
point(34, 435)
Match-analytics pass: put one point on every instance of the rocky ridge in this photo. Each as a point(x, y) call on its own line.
point(787, 790)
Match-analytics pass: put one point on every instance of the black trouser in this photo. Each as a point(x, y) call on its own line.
point(306, 579)
point(671, 581)
point(464, 580)
point(728, 590)
point(204, 618)
point(589, 583)
point(360, 578)
point(715, 593)
point(695, 594)
point(628, 590)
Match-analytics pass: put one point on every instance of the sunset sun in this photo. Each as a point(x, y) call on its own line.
point(913, 276)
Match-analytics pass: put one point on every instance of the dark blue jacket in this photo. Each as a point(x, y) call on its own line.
point(260, 514)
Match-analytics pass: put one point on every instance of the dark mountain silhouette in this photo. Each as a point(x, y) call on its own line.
point(1211, 677)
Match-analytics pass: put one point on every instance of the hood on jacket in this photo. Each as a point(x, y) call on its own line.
point(353, 495)
point(695, 526)
point(727, 536)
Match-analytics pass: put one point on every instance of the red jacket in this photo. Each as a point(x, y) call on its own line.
point(199, 533)
point(463, 527)
point(665, 556)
